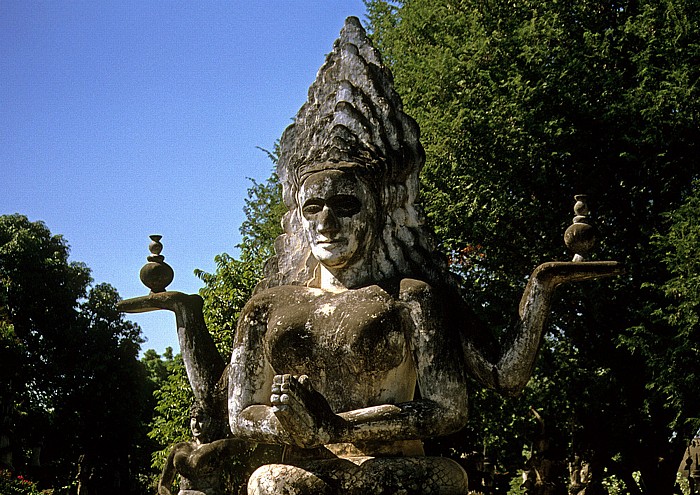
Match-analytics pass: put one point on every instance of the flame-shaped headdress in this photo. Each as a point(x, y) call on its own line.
point(353, 119)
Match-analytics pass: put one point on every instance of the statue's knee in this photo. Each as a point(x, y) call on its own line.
point(281, 479)
point(414, 476)
point(259, 482)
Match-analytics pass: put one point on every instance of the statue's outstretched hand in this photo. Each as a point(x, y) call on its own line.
point(303, 412)
point(558, 272)
point(203, 362)
point(170, 300)
point(546, 277)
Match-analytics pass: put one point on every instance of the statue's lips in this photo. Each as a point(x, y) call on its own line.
point(331, 242)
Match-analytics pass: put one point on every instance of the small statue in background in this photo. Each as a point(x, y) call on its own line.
point(201, 462)
point(586, 478)
point(541, 475)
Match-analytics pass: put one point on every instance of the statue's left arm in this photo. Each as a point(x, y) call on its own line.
point(510, 371)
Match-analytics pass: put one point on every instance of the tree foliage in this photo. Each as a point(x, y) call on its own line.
point(171, 416)
point(73, 397)
point(671, 344)
point(521, 106)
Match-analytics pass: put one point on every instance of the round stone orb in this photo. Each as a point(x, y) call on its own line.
point(156, 276)
point(580, 238)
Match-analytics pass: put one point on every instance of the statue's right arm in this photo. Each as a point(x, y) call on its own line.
point(203, 363)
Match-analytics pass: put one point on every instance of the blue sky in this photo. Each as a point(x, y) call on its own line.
point(129, 118)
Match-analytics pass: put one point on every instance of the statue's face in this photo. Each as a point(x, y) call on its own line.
point(338, 212)
point(199, 424)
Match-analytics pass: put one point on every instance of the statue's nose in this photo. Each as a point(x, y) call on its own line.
point(327, 221)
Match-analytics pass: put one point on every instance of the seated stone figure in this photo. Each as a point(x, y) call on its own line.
point(199, 462)
point(358, 310)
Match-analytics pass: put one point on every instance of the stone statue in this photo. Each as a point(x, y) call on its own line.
point(358, 310)
point(586, 478)
point(541, 475)
point(199, 462)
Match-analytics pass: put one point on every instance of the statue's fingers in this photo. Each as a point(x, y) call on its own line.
point(280, 412)
point(290, 399)
point(303, 397)
point(303, 388)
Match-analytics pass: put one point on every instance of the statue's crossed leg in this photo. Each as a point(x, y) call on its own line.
point(362, 475)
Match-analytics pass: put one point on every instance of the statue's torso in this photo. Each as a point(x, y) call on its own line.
point(353, 344)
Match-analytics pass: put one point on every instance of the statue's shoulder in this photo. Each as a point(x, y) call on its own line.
point(411, 289)
point(283, 295)
point(444, 301)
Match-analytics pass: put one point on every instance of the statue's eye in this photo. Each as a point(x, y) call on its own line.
point(344, 205)
point(312, 207)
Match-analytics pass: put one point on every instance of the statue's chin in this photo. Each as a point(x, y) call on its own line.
point(332, 261)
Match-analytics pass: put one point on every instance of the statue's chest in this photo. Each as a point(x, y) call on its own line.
point(358, 332)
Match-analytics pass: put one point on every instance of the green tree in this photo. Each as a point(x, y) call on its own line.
point(77, 397)
point(39, 296)
point(671, 344)
point(157, 365)
point(171, 417)
point(521, 105)
point(106, 404)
